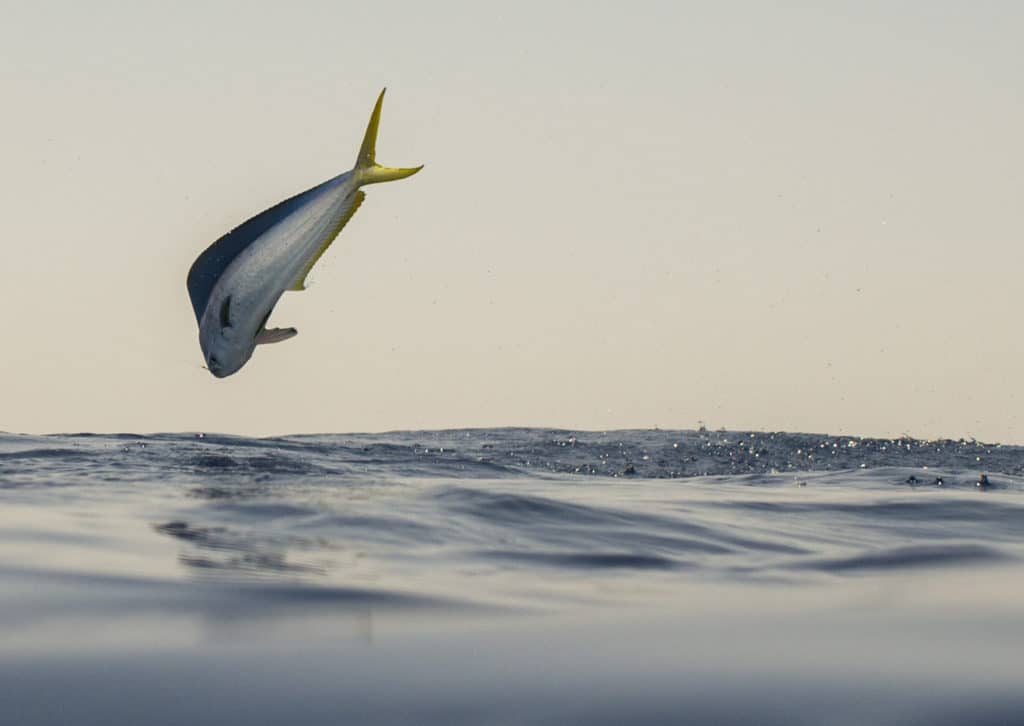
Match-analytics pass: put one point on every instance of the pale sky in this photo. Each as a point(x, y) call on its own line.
point(803, 218)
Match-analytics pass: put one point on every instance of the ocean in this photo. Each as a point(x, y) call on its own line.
point(510, 576)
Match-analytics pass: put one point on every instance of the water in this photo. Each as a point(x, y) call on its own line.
point(510, 576)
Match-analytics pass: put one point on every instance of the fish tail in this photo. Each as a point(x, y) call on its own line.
point(367, 168)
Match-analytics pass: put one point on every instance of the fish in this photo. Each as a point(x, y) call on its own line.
point(236, 282)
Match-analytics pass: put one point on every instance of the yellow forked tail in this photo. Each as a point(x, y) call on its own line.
point(367, 169)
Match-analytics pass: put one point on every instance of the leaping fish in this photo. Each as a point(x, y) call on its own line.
point(236, 282)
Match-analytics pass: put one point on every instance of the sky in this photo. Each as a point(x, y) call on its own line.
point(788, 216)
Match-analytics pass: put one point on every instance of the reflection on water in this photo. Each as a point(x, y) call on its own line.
point(221, 549)
point(510, 576)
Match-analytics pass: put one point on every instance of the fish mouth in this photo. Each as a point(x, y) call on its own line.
point(224, 363)
point(215, 367)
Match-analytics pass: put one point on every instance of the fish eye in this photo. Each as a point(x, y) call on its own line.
point(214, 363)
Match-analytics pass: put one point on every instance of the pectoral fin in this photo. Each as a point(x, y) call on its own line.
point(275, 335)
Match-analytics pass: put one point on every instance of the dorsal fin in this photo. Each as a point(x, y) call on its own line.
point(300, 281)
point(211, 264)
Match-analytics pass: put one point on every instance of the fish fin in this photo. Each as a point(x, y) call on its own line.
point(332, 233)
point(367, 169)
point(275, 335)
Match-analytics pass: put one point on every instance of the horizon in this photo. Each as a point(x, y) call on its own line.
point(198, 434)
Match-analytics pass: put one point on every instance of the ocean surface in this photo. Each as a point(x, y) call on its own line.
point(510, 576)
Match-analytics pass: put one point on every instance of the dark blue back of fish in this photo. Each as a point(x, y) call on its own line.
point(210, 265)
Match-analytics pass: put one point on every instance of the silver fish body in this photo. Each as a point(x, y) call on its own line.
point(236, 282)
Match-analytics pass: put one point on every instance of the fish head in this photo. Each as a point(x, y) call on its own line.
point(226, 334)
point(225, 348)
point(224, 353)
